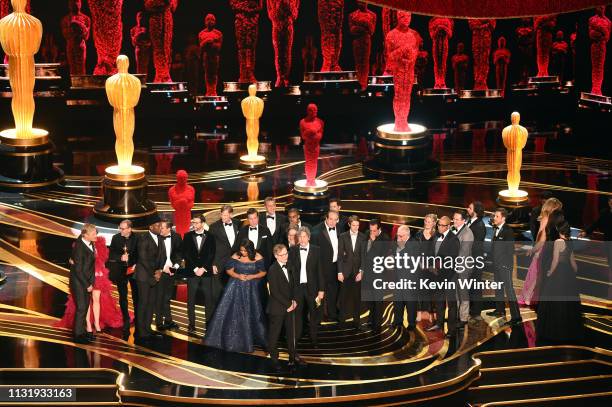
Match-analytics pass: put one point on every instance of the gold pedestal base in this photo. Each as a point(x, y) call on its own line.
point(115, 173)
point(38, 138)
point(252, 163)
point(302, 187)
point(517, 198)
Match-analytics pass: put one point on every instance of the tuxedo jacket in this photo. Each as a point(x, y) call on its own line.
point(115, 266)
point(349, 260)
point(149, 258)
point(448, 248)
point(264, 244)
point(83, 269)
point(314, 269)
point(223, 249)
point(176, 244)
point(379, 247)
point(342, 225)
point(202, 257)
point(281, 289)
point(502, 248)
point(280, 231)
point(480, 232)
point(320, 237)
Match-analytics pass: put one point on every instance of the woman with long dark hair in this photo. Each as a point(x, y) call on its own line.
point(238, 322)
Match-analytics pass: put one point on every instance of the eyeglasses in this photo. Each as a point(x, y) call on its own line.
point(444, 224)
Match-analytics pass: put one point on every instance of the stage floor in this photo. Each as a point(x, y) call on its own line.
point(393, 367)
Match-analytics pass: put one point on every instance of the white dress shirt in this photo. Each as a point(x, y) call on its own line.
point(499, 228)
point(354, 239)
point(229, 231)
point(199, 239)
point(271, 223)
point(254, 235)
point(154, 236)
point(303, 258)
point(333, 236)
point(88, 244)
point(168, 245)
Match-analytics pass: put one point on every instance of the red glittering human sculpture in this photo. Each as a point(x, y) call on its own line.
point(460, 62)
point(331, 13)
point(283, 14)
point(161, 24)
point(560, 49)
point(141, 41)
point(525, 38)
point(181, 197)
point(440, 30)
point(544, 27)
point(482, 30)
point(210, 40)
point(402, 47)
point(107, 33)
point(389, 21)
point(75, 29)
point(311, 131)
point(246, 21)
point(362, 23)
point(599, 33)
point(501, 60)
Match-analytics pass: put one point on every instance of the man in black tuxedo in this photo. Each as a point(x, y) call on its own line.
point(405, 299)
point(376, 245)
point(281, 305)
point(502, 254)
point(148, 273)
point(293, 216)
point(171, 255)
point(82, 276)
point(275, 221)
point(121, 256)
point(309, 283)
point(199, 254)
point(258, 234)
point(225, 231)
point(476, 214)
point(325, 235)
point(351, 246)
point(446, 246)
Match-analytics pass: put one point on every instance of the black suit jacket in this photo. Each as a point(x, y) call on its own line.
point(380, 247)
point(149, 258)
point(175, 249)
point(194, 258)
point(448, 248)
point(281, 290)
point(314, 271)
point(83, 271)
point(502, 248)
point(349, 261)
point(321, 238)
point(480, 232)
point(116, 267)
point(280, 231)
point(223, 249)
point(264, 244)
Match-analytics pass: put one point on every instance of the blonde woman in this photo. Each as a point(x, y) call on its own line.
point(529, 294)
point(426, 237)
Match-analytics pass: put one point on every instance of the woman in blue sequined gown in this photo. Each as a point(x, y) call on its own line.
point(238, 322)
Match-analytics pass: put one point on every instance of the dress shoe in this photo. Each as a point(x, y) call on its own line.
point(156, 335)
point(276, 366)
point(81, 339)
point(171, 325)
point(90, 336)
point(142, 339)
point(191, 328)
point(411, 327)
point(434, 327)
point(161, 327)
point(298, 361)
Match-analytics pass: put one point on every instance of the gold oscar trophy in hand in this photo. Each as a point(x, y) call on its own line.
point(20, 36)
point(252, 109)
point(123, 92)
point(25, 152)
point(124, 186)
point(515, 138)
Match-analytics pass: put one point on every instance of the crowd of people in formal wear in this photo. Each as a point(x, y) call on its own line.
point(276, 273)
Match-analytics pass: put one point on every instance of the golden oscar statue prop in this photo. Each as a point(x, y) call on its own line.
point(26, 152)
point(124, 185)
point(252, 109)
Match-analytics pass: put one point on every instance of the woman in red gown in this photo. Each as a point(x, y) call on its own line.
point(103, 311)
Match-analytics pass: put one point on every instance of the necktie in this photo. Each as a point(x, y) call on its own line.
point(330, 229)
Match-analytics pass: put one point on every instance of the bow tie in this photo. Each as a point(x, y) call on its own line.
point(270, 217)
point(469, 222)
point(441, 237)
point(199, 234)
point(227, 224)
point(250, 228)
point(330, 229)
point(304, 248)
point(454, 229)
point(92, 245)
point(284, 267)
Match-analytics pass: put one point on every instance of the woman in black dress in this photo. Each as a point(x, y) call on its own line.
point(559, 316)
point(426, 237)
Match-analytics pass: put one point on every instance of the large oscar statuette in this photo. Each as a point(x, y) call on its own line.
point(403, 149)
point(124, 185)
point(515, 200)
point(26, 152)
point(252, 109)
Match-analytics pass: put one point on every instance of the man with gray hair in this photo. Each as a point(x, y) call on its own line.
point(405, 299)
point(82, 276)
